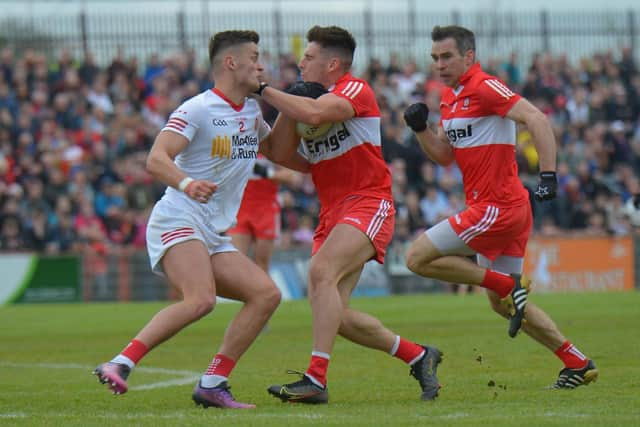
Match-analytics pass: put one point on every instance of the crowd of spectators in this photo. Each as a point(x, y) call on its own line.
point(74, 137)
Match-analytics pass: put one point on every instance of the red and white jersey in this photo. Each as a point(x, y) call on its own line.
point(483, 140)
point(347, 160)
point(223, 147)
point(259, 188)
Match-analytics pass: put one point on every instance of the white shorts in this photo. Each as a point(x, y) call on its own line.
point(169, 225)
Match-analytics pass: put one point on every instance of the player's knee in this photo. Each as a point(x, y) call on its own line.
point(414, 259)
point(320, 275)
point(203, 305)
point(346, 323)
point(270, 298)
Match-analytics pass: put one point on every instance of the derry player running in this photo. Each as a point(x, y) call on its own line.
point(478, 131)
point(205, 154)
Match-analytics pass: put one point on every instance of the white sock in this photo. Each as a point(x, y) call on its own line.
point(396, 344)
point(123, 360)
point(211, 381)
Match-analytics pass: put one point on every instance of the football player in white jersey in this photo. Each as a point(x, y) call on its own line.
point(205, 154)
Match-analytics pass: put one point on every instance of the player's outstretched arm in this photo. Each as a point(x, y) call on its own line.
point(434, 144)
point(327, 108)
point(160, 164)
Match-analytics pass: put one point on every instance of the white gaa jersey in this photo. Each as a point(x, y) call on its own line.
point(223, 147)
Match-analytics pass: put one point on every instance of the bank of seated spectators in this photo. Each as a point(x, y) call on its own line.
point(74, 137)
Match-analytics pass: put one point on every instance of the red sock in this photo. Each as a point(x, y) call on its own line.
point(135, 351)
point(500, 283)
point(318, 367)
point(221, 365)
point(571, 356)
point(407, 350)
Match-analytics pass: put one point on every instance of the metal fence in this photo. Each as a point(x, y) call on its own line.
point(406, 31)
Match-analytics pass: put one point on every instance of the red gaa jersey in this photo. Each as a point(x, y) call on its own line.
point(483, 140)
point(347, 160)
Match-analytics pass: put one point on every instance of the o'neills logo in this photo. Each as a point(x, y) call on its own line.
point(221, 147)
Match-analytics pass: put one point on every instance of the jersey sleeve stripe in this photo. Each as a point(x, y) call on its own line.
point(500, 89)
point(503, 86)
point(347, 88)
point(355, 90)
point(178, 119)
point(174, 127)
point(177, 122)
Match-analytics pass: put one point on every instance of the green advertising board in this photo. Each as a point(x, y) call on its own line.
point(28, 278)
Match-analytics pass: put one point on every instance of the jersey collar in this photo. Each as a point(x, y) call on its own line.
point(237, 107)
point(474, 69)
point(345, 77)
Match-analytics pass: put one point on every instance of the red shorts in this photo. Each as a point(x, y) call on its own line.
point(373, 216)
point(258, 218)
point(493, 231)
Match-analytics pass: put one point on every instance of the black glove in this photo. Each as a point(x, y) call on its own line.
point(263, 171)
point(547, 186)
point(262, 87)
point(308, 89)
point(416, 116)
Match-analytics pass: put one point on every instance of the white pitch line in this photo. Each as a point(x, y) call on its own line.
point(169, 383)
point(186, 377)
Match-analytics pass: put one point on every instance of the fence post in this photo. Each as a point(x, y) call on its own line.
point(84, 33)
point(277, 23)
point(204, 12)
point(544, 29)
point(368, 30)
point(455, 17)
point(182, 35)
point(631, 17)
point(411, 10)
point(124, 274)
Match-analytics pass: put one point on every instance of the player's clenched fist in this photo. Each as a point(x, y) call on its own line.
point(416, 116)
point(198, 190)
point(547, 186)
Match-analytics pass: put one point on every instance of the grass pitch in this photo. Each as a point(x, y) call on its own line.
point(48, 351)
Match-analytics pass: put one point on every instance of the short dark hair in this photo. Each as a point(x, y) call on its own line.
point(334, 38)
point(224, 39)
point(465, 39)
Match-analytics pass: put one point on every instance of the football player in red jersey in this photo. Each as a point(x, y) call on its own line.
point(478, 116)
point(259, 213)
point(353, 184)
